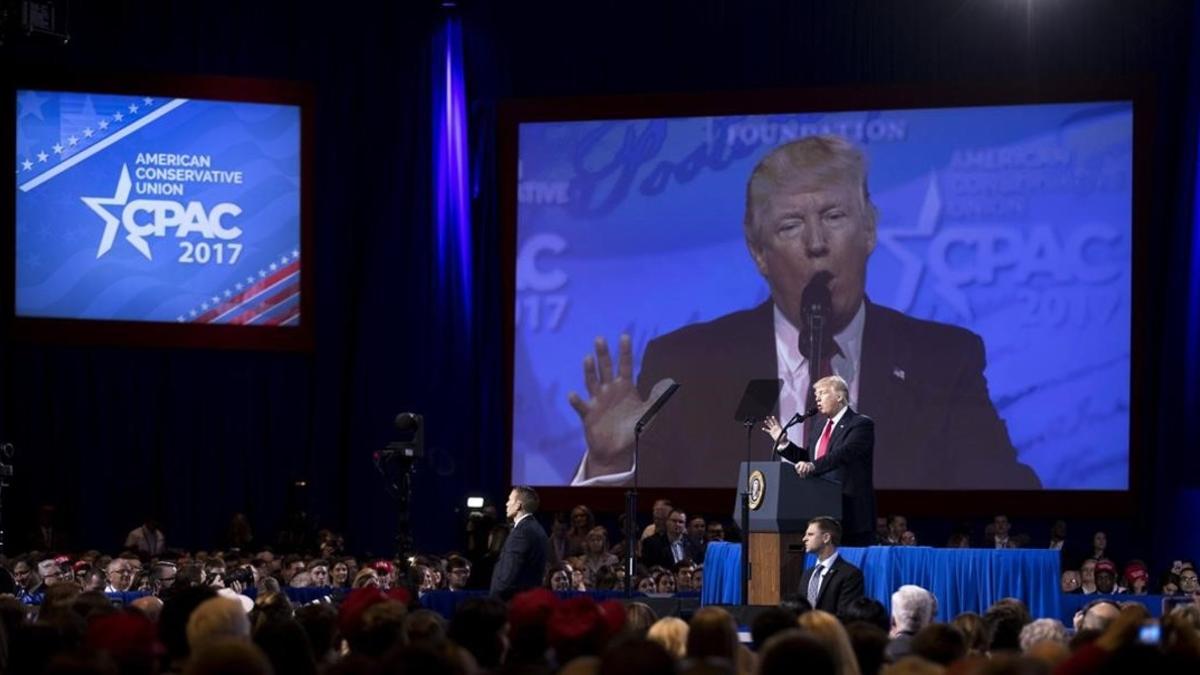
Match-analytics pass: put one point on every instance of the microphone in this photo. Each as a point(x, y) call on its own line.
point(796, 419)
point(657, 405)
point(800, 417)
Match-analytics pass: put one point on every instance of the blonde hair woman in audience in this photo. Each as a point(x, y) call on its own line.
point(826, 628)
point(672, 633)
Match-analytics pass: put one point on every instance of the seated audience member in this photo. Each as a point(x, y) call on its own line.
point(712, 633)
point(559, 578)
point(1188, 581)
point(909, 538)
point(582, 522)
point(229, 655)
point(458, 573)
point(1046, 641)
point(319, 622)
point(318, 573)
point(769, 622)
point(1099, 546)
point(645, 584)
point(868, 610)
point(1136, 578)
point(1096, 615)
point(715, 531)
point(829, 631)
point(1005, 620)
point(685, 573)
point(580, 628)
point(596, 553)
point(639, 617)
point(120, 576)
point(869, 643)
point(339, 574)
point(913, 608)
point(696, 528)
point(940, 643)
point(785, 651)
point(637, 657)
point(959, 540)
point(1087, 577)
point(1070, 582)
point(1058, 535)
point(215, 619)
point(1042, 630)
point(606, 579)
point(975, 633)
point(664, 581)
point(1106, 577)
point(897, 525)
point(672, 633)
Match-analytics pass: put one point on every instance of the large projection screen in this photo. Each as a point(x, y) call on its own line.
point(990, 340)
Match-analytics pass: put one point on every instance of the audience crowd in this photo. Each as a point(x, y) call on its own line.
point(156, 609)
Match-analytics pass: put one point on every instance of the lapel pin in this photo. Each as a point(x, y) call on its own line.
point(898, 373)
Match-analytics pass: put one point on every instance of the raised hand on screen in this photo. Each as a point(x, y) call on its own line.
point(612, 408)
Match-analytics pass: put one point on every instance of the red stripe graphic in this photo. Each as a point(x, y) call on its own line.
point(249, 292)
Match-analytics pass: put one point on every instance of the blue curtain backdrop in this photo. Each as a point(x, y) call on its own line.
point(110, 434)
point(962, 579)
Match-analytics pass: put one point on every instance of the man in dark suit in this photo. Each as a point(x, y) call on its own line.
point(832, 584)
point(808, 217)
point(843, 452)
point(668, 548)
point(522, 561)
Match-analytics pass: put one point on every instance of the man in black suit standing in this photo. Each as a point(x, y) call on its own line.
point(844, 452)
point(808, 217)
point(670, 547)
point(522, 561)
point(832, 584)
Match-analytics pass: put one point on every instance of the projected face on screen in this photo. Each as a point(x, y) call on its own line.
point(157, 209)
point(978, 261)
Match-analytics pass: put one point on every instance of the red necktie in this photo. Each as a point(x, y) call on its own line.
point(823, 444)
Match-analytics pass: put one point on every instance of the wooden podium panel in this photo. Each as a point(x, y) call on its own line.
point(781, 505)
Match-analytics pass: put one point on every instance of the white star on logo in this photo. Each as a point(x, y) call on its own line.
point(87, 133)
point(249, 280)
point(103, 124)
point(283, 260)
point(910, 279)
point(204, 305)
point(215, 300)
point(118, 116)
point(111, 222)
point(58, 148)
point(27, 165)
point(148, 101)
point(295, 253)
point(133, 108)
point(227, 293)
point(262, 274)
point(238, 286)
point(273, 267)
point(42, 156)
point(192, 313)
point(74, 140)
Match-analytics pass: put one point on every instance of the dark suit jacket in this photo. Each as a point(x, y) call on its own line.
point(842, 586)
point(849, 461)
point(522, 561)
point(656, 550)
point(921, 382)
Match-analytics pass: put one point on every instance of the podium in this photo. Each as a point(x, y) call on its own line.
point(781, 504)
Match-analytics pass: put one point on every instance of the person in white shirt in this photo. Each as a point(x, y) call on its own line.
point(147, 540)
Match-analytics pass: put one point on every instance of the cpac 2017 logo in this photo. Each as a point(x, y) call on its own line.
point(143, 218)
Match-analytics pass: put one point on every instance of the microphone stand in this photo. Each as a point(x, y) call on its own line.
point(748, 423)
point(631, 493)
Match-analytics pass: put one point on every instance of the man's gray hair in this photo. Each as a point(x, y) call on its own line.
point(837, 384)
point(1042, 630)
point(913, 608)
